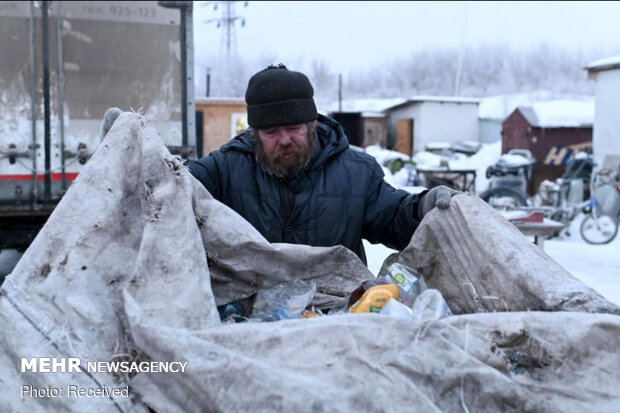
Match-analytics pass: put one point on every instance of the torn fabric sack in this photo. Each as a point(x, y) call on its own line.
point(134, 259)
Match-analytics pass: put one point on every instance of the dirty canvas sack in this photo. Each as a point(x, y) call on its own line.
point(481, 262)
point(134, 259)
point(135, 215)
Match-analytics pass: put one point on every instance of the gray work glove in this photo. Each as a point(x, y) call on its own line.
point(437, 197)
point(108, 120)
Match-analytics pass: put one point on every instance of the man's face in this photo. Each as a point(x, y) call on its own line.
point(285, 150)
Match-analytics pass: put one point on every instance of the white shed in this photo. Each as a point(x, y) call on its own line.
point(421, 120)
point(606, 133)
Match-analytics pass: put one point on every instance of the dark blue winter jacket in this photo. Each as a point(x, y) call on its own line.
point(338, 199)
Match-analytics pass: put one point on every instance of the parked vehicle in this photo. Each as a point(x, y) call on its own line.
point(509, 177)
point(62, 64)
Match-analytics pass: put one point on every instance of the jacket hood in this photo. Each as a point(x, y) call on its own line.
point(330, 140)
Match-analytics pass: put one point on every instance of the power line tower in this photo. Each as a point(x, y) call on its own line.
point(228, 40)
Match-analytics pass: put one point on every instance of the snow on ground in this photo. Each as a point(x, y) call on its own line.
point(384, 155)
point(598, 266)
point(480, 161)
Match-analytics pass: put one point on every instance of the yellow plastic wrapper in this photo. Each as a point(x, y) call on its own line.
point(308, 314)
point(375, 298)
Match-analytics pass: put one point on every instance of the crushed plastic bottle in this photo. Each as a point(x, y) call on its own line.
point(410, 281)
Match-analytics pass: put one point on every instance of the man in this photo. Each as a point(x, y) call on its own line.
point(293, 176)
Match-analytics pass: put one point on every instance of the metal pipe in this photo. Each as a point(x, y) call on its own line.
point(33, 103)
point(61, 95)
point(190, 104)
point(47, 195)
point(184, 73)
point(208, 91)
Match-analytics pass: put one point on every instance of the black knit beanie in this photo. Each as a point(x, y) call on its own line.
point(277, 96)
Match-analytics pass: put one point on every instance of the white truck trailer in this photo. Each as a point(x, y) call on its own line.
point(62, 64)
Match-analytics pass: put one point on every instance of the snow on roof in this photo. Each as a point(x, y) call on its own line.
point(438, 145)
point(501, 106)
point(363, 105)
point(607, 63)
point(373, 114)
point(436, 99)
point(560, 113)
point(454, 99)
point(219, 99)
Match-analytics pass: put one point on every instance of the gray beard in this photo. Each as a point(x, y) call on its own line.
point(275, 167)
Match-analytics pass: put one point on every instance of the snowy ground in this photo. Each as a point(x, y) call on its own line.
point(596, 265)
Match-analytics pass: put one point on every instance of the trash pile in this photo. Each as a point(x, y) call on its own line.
point(401, 293)
point(137, 259)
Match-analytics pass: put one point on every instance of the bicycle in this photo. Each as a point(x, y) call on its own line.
point(600, 225)
point(568, 196)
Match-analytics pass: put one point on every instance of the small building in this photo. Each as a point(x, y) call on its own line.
point(606, 134)
point(221, 118)
point(493, 110)
point(553, 131)
point(363, 120)
point(363, 128)
point(423, 120)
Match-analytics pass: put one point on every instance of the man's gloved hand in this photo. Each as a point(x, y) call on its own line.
point(438, 197)
point(108, 120)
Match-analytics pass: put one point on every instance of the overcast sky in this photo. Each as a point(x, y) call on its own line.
point(350, 35)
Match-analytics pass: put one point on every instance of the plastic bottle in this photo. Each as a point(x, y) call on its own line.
point(410, 281)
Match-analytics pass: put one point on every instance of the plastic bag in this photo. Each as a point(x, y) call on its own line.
point(283, 301)
point(232, 312)
point(430, 305)
point(395, 308)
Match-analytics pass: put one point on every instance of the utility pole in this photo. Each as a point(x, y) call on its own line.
point(208, 88)
point(459, 63)
point(228, 43)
